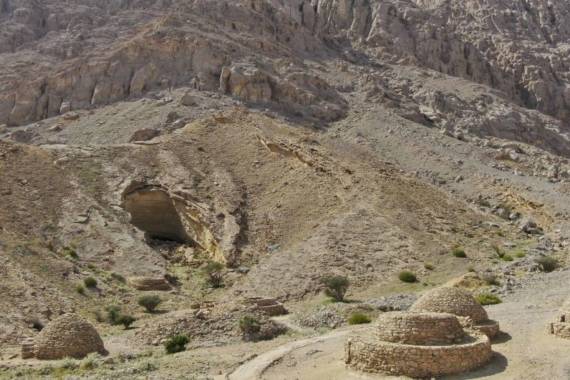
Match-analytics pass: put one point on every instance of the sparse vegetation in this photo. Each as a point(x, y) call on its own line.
point(149, 302)
point(69, 251)
point(249, 325)
point(90, 282)
point(547, 263)
point(214, 273)
point(429, 266)
point(358, 319)
point(80, 289)
point(118, 277)
point(520, 254)
point(176, 344)
point(90, 362)
point(490, 278)
point(336, 287)
point(113, 314)
point(507, 257)
point(488, 299)
point(459, 252)
point(126, 320)
point(407, 276)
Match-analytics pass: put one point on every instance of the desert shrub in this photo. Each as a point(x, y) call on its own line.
point(507, 257)
point(113, 314)
point(213, 271)
point(118, 277)
point(429, 266)
point(520, 254)
point(68, 363)
point(471, 269)
point(90, 282)
point(90, 362)
point(498, 250)
point(547, 264)
point(149, 302)
point(176, 344)
point(69, 251)
point(459, 252)
point(407, 276)
point(146, 366)
point(249, 325)
point(126, 320)
point(80, 289)
point(358, 319)
point(489, 278)
point(335, 287)
point(488, 299)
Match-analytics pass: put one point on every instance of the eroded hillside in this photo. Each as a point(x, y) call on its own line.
point(286, 140)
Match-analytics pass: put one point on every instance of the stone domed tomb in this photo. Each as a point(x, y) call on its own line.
point(458, 302)
point(67, 336)
point(561, 327)
point(418, 345)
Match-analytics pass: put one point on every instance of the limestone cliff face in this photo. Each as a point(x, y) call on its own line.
point(58, 58)
point(91, 55)
point(517, 47)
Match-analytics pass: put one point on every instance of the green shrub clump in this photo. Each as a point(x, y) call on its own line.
point(149, 302)
point(249, 325)
point(336, 287)
point(429, 266)
point(547, 264)
point(358, 319)
point(90, 282)
point(459, 252)
point(407, 276)
point(176, 344)
point(488, 299)
point(126, 320)
point(113, 314)
point(80, 289)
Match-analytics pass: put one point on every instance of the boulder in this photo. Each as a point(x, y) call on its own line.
point(144, 134)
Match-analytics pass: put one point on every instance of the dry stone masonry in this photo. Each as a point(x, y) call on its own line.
point(67, 336)
point(418, 345)
point(561, 327)
point(460, 303)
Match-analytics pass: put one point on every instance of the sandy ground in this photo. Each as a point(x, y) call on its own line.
point(524, 351)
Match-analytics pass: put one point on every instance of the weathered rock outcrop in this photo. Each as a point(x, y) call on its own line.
point(516, 47)
point(294, 90)
point(147, 52)
point(176, 216)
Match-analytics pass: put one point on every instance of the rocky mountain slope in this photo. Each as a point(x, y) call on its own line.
point(285, 139)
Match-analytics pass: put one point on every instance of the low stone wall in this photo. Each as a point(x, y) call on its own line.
point(490, 328)
point(419, 328)
point(560, 329)
point(365, 354)
point(148, 284)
